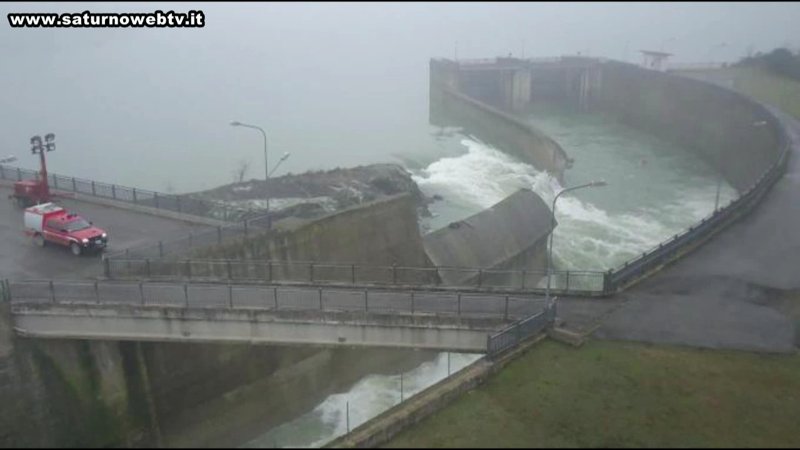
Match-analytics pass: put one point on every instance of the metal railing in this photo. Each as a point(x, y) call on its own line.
point(181, 246)
point(511, 336)
point(273, 298)
point(183, 204)
point(338, 273)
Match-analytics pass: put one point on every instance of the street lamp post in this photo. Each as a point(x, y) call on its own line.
point(266, 163)
point(598, 183)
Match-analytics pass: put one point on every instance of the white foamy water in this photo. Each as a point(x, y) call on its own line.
point(369, 397)
point(587, 236)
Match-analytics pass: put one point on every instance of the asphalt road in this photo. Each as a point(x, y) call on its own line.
point(723, 295)
point(21, 259)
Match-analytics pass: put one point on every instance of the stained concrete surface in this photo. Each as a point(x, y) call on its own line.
point(21, 259)
point(723, 295)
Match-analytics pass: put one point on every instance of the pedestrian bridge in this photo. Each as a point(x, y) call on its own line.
point(439, 319)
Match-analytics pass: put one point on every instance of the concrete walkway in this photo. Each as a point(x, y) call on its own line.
point(724, 294)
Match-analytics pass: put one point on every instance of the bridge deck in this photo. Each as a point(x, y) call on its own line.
point(444, 320)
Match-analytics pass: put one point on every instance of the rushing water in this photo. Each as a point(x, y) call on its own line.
point(369, 397)
point(654, 190)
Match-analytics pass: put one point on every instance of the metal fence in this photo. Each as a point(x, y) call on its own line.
point(183, 204)
point(275, 298)
point(520, 330)
point(184, 245)
point(313, 272)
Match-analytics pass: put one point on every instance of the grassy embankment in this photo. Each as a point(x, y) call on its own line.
point(613, 394)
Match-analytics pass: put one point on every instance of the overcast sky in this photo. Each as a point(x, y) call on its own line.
point(336, 84)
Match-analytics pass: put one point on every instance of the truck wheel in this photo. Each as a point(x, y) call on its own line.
point(76, 249)
point(38, 240)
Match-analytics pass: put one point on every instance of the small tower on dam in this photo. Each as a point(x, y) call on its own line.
point(654, 60)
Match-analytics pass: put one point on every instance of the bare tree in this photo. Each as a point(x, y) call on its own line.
point(241, 170)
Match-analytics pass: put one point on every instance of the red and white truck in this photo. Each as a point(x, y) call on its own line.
point(51, 223)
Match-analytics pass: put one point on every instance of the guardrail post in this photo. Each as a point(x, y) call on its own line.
point(480, 277)
point(366, 300)
point(186, 294)
point(394, 273)
point(219, 235)
point(52, 292)
point(523, 280)
point(566, 288)
point(245, 227)
point(505, 311)
point(96, 292)
point(230, 296)
point(93, 191)
point(275, 293)
point(412, 302)
point(74, 186)
point(141, 292)
point(311, 272)
point(114, 191)
point(353, 272)
point(55, 182)
point(188, 269)
point(106, 267)
point(228, 265)
point(269, 268)
point(320, 299)
point(134, 195)
point(459, 304)
point(607, 282)
point(147, 266)
point(160, 249)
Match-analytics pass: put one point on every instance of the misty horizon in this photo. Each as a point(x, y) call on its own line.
point(334, 84)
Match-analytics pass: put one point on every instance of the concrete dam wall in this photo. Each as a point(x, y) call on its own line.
point(512, 234)
point(450, 104)
point(732, 133)
point(380, 233)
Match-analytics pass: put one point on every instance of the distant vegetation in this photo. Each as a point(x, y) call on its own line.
point(780, 61)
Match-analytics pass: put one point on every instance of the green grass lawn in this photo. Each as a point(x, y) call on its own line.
point(615, 394)
point(767, 87)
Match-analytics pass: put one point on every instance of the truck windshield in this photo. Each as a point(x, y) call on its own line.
point(78, 224)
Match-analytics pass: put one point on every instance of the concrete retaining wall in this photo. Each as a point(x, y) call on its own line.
point(450, 105)
point(383, 232)
point(511, 234)
point(730, 132)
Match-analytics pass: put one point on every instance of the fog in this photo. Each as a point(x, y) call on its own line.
point(334, 84)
